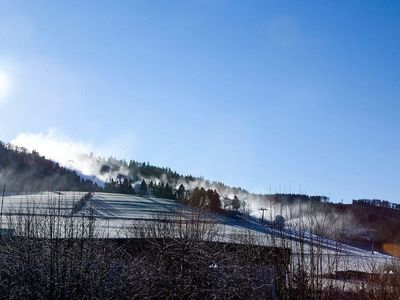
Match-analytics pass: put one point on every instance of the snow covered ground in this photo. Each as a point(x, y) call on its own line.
point(116, 215)
point(41, 203)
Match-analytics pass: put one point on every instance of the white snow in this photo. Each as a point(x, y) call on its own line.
point(116, 214)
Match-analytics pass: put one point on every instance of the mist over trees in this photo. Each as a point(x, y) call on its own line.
point(21, 171)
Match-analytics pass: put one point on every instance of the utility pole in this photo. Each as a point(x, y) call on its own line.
point(263, 209)
point(1, 210)
point(372, 247)
point(372, 242)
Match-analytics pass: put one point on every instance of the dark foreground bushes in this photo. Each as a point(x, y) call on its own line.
point(138, 268)
point(56, 256)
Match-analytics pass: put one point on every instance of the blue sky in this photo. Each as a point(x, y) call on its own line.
point(251, 93)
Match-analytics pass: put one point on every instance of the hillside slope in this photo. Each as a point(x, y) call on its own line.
point(21, 171)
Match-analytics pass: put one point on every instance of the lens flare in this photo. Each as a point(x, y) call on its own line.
point(392, 249)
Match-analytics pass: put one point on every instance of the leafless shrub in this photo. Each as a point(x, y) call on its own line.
point(60, 253)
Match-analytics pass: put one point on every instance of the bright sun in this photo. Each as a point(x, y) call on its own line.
point(5, 85)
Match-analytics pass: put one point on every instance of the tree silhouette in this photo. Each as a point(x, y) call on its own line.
point(143, 188)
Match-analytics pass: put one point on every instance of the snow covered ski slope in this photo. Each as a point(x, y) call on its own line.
point(116, 214)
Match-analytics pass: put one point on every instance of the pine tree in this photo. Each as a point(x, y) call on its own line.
point(214, 202)
point(180, 194)
point(143, 188)
point(235, 203)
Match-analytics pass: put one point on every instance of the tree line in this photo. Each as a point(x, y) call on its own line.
point(377, 203)
point(198, 197)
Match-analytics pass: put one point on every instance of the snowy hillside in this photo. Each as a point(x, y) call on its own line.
point(117, 216)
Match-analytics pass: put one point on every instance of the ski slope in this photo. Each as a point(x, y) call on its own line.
point(116, 215)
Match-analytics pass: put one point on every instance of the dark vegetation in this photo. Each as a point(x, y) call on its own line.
point(375, 223)
point(138, 269)
point(376, 203)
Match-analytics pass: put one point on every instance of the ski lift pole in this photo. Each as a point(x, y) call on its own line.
point(263, 209)
point(1, 210)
